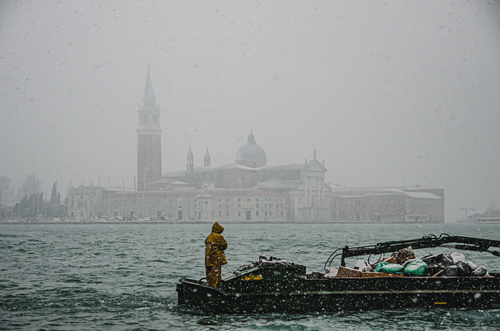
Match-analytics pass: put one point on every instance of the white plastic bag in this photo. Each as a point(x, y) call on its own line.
point(457, 257)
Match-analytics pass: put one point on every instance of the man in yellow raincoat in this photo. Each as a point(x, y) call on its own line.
point(215, 244)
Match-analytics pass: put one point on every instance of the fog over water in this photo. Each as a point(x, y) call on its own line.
point(387, 92)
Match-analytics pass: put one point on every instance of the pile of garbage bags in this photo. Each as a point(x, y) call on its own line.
point(452, 265)
point(404, 263)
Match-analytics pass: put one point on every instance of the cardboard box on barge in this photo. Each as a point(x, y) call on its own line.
point(344, 272)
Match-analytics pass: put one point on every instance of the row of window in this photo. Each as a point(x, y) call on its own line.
point(116, 202)
point(248, 212)
point(84, 203)
point(256, 199)
point(180, 214)
point(206, 202)
point(278, 205)
point(181, 200)
point(128, 203)
point(88, 196)
point(411, 204)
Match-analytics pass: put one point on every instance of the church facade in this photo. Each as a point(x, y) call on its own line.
point(246, 190)
point(293, 192)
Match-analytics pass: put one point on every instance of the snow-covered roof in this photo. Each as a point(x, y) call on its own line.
point(278, 185)
point(369, 194)
point(421, 195)
point(175, 173)
point(416, 195)
point(296, 166)
point(244, 191)
point(238, 166)
point(168, 181)
point(385, 188)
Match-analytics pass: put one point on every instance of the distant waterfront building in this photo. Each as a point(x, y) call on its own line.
point(388, 204)
point(84, 202)
point(489, 216)
point(246, 190)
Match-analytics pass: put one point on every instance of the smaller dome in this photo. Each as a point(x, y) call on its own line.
point(251, 154)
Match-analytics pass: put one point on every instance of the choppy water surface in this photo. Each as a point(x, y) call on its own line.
point(123, 276)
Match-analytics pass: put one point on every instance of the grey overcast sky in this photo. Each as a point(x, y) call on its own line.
point(387, 92)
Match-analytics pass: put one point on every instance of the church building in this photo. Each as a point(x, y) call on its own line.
point(245, 190)
point(301, 187)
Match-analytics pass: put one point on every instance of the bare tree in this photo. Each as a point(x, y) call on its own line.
point(4, 188)
point(31, 185)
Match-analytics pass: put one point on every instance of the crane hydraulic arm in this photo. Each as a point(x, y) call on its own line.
point(465, 243)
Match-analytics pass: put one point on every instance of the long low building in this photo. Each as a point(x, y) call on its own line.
point(388, 204)
point(179, 204)
point(272, 202)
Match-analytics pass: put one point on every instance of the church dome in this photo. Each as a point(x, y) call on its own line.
point(251, 154)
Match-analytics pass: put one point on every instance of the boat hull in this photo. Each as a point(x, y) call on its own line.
point(336, 294)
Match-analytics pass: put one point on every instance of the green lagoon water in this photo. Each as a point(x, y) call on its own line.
point(123, 276)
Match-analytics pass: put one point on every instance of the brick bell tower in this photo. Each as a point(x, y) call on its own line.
point(148, 139)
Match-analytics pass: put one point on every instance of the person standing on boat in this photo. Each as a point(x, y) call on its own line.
point(215, 244)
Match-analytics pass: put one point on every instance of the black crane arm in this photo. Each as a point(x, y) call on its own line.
point(464, 243)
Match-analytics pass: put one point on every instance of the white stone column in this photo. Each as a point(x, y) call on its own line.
point(306, 184)
point(320, 204)
point(308, 202)
point(296, 206)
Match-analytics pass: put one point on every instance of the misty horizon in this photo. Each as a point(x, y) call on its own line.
point(393, 94)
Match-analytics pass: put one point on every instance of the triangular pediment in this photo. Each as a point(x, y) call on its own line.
point(315, 165)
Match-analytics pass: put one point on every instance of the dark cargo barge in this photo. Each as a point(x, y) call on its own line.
point(275, 285)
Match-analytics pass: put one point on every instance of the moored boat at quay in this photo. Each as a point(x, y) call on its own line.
point(273, 285)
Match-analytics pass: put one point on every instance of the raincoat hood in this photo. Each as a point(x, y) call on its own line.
point(215, 244)
point(217, 228)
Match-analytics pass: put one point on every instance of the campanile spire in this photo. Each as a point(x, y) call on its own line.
point(148, 139)
point(149, 94)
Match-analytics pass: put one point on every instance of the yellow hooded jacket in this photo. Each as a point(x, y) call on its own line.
point(215, 244)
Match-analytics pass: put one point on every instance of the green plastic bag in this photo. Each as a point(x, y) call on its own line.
point(392, 268)
point(415, 268)
point(380, 265)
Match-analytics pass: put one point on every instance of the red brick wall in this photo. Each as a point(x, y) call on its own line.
point(149, 158)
